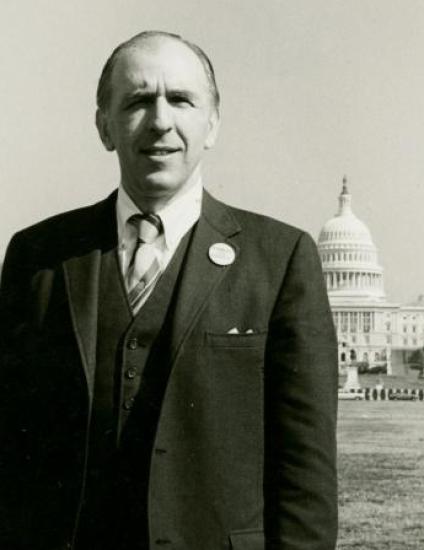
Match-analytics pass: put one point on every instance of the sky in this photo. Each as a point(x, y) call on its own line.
point(311, 90)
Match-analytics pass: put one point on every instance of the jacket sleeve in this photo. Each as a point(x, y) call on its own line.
point(13, 290)
point(300, 411)
point(13, 314)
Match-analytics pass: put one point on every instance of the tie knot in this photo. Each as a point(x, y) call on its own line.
point(149, 227)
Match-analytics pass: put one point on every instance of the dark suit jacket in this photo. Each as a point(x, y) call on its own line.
point(247, 421)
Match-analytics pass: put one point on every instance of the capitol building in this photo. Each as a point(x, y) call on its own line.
point(371, 330)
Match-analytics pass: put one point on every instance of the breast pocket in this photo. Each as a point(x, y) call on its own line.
point(236, 351)
point(237, 341)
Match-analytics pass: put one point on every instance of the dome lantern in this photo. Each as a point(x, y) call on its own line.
point(345, 200)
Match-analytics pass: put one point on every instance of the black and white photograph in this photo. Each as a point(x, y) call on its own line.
point(211, 289)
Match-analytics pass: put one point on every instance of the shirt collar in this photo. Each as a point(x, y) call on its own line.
point(125, 208)
point(177, 217)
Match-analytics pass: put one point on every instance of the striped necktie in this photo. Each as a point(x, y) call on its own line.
point(144, 267)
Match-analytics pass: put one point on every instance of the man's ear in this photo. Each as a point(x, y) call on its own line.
point(102, 124)
point(214, 122)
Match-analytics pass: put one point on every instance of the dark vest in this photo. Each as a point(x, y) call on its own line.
point(132, 369)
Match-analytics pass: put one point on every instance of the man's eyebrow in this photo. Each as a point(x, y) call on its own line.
point(151, 94)
point(182, 92)
point(138, 93)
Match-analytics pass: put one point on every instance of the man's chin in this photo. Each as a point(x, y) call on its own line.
point(154, 187)
point(160, 186)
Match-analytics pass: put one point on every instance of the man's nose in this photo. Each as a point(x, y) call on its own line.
point(161, 116)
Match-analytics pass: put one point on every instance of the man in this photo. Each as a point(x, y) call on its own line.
point(168, 362)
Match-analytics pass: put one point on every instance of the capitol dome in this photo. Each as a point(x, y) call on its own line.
point(349, 256)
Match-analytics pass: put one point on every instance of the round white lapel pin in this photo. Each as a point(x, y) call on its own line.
point(222, 254)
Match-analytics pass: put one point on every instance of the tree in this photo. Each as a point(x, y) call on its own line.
point(416, 361)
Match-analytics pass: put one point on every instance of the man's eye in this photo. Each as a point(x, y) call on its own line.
point(138, 102)
point(180, 100)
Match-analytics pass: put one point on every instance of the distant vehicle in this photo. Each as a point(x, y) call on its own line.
point(351, 396)
point(402, 397)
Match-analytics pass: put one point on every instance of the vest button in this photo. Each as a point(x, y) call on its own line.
point(131, 373)
point(128, 404)
point(133, 343)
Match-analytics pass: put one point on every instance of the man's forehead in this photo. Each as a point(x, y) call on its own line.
point(167, 57)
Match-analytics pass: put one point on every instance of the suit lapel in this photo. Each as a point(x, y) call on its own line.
point(82, 276)
point(200, 274)
point(82, 270)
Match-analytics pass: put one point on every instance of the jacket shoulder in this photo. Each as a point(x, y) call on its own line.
point(275, 233)
point(54, 238)
point(68, 221)
point(248, 218)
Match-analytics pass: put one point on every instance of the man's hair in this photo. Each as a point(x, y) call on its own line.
point(104, 87)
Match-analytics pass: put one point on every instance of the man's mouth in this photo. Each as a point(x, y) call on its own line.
point(158, 151)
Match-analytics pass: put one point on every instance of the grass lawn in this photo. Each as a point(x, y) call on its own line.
point(381, 475)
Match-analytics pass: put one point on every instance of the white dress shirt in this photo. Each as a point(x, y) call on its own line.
point(177, 217)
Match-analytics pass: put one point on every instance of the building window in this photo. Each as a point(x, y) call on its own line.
point(354, 321)
point(405, 328)
point(388, 326)
point(414, 328)
point(367, 321)
point(389, 339)
point(344, 321)
point(405, 341)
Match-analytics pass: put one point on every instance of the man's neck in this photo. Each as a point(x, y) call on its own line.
point(155, 203)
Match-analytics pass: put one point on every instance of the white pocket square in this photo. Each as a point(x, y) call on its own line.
point(235, 330)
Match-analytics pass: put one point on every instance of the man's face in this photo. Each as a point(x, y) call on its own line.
point(160, 119)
